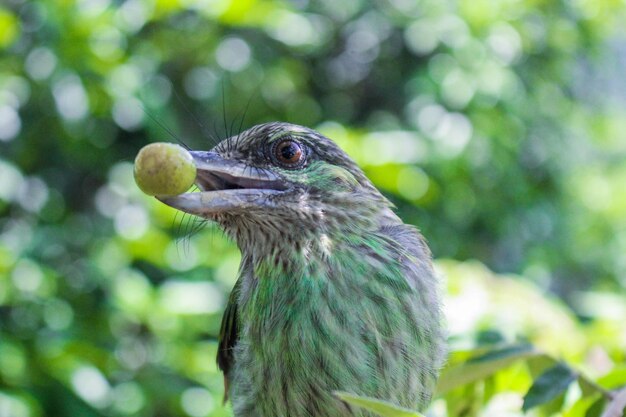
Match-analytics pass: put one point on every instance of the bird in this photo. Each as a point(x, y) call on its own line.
point(334, 292)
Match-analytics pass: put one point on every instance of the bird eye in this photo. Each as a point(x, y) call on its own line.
point(289, 153)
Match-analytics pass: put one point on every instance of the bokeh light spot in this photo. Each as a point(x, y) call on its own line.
point(190, 297)
point(453, 134)
point(10, 123)
point(181, 256)
point(452, 30)
point(131, 222)
point(133, 14)
point(132, 291)
point(124, 80)
point(128, 398)
point(429, 117)
point(15, 91)
point(70, 98)
point(58, 314)
point(291, 28)
point(128, 113)
point(457, 89)
point(233, 54)
point(200, 83)
point(412, 183)
point(109, 201)
point(401, 147)
point(92, 8)
point(89, 383)
point(27, 276)
point(421, 37)
point(108, 43)
point(13, 406)
point(197, 402)
point(505, 42)
point(33, 194)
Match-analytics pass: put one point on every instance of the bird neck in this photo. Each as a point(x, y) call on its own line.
point(300, 246)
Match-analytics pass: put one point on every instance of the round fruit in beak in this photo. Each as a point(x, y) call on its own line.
point(164, 169)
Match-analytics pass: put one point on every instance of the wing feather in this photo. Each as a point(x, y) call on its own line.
point(229, 333)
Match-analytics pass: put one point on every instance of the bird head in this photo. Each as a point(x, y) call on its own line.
point(281, 182)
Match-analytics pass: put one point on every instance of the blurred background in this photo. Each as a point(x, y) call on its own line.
point(498, 128)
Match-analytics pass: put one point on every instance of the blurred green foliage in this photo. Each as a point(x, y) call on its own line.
point(496, 127)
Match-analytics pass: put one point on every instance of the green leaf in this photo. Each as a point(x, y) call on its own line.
point(582, 406)
point(466, 401)
point(503, 353)
point(549, 385)
point(484, 365)
point(596, 408)
point(587, 388)
point(538, 365)
point(380, 407)
point(615, 378)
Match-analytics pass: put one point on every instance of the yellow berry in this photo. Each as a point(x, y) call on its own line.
point(164, 169)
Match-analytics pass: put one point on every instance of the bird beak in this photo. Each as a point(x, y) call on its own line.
point(227, 186)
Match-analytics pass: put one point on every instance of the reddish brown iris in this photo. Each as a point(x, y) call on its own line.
point(289, 152)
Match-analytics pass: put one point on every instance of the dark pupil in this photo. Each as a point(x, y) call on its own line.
point(288, 151)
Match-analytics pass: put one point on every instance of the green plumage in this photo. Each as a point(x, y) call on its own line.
point(334, 291)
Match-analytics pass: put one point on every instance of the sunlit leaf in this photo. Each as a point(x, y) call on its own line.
point(503, 353)
point(615, 378)
point(484, 365)
point(380, 407)
point(9, 28)
point(582, 406)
